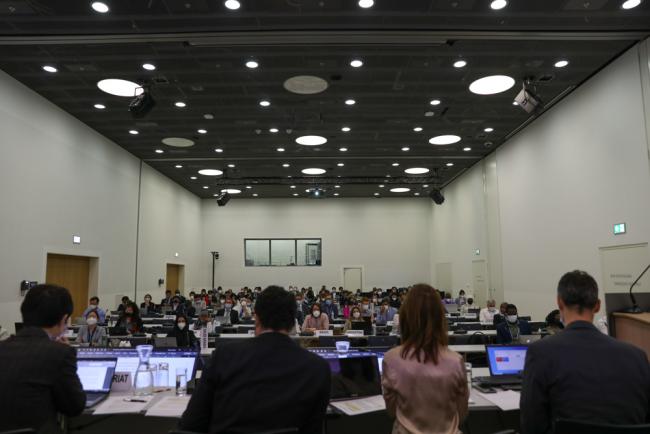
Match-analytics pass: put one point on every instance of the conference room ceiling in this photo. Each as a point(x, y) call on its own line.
point(408, 49)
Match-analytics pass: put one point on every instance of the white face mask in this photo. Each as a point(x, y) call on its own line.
point(92, 306)
point(243, 304)
point(356, 314)
point(91, 321)
point(511, 318)
point(365, 306)
point(181, 325)
point(316, 313)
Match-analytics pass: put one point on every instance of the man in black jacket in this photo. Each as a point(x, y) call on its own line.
point(38, 370)
point(263, 383)
point(581, 373)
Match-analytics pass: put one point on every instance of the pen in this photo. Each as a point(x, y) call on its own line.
point(133, 400)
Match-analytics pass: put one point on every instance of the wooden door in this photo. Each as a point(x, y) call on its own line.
point(73, 273)
point(173, 277)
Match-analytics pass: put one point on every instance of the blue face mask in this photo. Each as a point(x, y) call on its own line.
point(328, 302)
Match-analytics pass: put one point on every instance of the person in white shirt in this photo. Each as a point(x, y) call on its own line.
point(487, 313)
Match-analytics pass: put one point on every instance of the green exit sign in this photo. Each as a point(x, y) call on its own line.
point(619, 228)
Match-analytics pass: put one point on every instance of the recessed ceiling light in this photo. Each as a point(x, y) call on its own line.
point(460, 64)
point(491, 84)
point(295, 194)
point(350, 102)
point(134, 132)
point(255, 195)
point(202, 131)
point(99, 106)
point(179, 166)
point(343, 149)
point(100, 7)
point(252, 64)
point(417, 129)
point(311, 140)
point(280, 149)
point(356, 63)
point(561, 63)
point(210, 172)
point(208, 116)
point(381, 185)
point(273, 130)
point(488, 129)
point(192, 177)
point(346, 129)
point(159, 151)
point(416, 170)
point(265, 103)
point(435, 102)
point(366, 3)
point(336, 194)
point(293, 186)
point(416, 194)
point(248, 187)
point(406, 149)
point(429, 114)
point(118, 87)
point(178, 142)
point(395, 164)
point(425, 186)
point(337, 186)
point(376, 194)
point(467, 149)
point(205, 187)
point(180, 104)
point(515, 103)
point(498, 4)
point(233, 5)
point(313, 171)
point(450, 164)
point(630, 4)
point(340, 164)
point(444, 140)
point(232, 166)
point(49, 68)
point(218, 150)
point(149, 66)
point(400, 190)
point(286, 165)
point(231, 191)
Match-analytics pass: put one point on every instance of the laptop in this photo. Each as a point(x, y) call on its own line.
point(451, 308)
point(506, 364)
point(366, 326)
point(355, 374)
point(529, 339)
point(96, 376)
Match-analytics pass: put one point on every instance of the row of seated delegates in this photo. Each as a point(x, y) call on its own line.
point(91, 333)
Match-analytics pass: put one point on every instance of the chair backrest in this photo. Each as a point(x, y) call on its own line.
point(566, 426)
point(478, 339)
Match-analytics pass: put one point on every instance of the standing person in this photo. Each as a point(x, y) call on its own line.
point(284, 386)
point(424, 383)
point(486, 315)
point(582, 374)
point(94, 305)
point(38, 378)
point(184, 336)
point(513, 327)
point(91, 333)
point(317, 320)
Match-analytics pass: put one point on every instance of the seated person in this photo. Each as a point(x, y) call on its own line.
point(464, 309)
point(510, 330)
point(301, 308)
point(367, 309)
point(125, 302)
point(167, 301)
point(94, 305)
point(184, 336)
point(581, 373)
point(91, 333)
point(130, 319)
point(38, 378)
point(553, 322)
point(148, 307)
point(501, 316)
point(229, 312)
point(316, 320)
point(282, 385)
point(178, 306)
point(204, 320)
point(386, 313)
point(461, 300)
point(486, 315)
point(355, 317)
point(329, 307)
point(246, 311)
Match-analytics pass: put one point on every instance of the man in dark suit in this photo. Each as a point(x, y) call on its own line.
point(229, 312)
point(38, 370)
point(264, 383)
point(509, 331)
point(581, 373)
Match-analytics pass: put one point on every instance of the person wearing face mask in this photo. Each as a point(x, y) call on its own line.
point(246, 312)
point(386, 313)
point(130, 319)
point(329, 307)
point(229, 312)
point(394, 301)
point(367, 309)
point(147, 308)
point(355, 317)
point(185, 337)
point(91, 333)
point(510, 330)
point(317, 320)
point(204, 320)
point(465, 308)
point(500, 316)
point(38, 378)
point(94, 305)
point(179, 295)
point(178, 306)
point(486, 315)
point(302, 308)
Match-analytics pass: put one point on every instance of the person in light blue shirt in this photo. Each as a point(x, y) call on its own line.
point(385, 314)
point(94, 305)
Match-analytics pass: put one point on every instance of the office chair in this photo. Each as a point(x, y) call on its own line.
point(568, 426)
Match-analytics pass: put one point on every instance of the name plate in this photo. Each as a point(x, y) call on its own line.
point(169, 317)
point(320, 333)
point(354, 333)
point(251, 333)
point(122, 382)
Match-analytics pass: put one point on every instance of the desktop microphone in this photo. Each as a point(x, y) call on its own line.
point(635, 307)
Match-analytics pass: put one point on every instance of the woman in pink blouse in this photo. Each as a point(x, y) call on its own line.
point(317, 320)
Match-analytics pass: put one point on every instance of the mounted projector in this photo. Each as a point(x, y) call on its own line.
point(142, 104)
point(316, 193)
point(527, 100)
point(223, 199)
point(437, 196)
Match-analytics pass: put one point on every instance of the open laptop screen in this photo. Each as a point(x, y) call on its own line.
point(506, 360)
point(354, 374)
point(96, 375)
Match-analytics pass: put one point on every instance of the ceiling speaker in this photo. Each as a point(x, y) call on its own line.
point(142, 104)
point(527, 100)
point(437, 196)
point(223, 199)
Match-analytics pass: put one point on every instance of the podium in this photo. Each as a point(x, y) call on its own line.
point(633, 329)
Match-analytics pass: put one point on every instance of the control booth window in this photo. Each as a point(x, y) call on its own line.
point(282, 252)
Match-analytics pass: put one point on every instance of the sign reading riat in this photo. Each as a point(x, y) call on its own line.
point(619, 228)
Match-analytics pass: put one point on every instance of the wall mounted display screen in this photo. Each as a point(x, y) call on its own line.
point(282, 252)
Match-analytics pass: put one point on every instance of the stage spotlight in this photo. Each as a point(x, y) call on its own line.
point(223, 199)
point(527, 100)
point(437, 196)
point(142, 104)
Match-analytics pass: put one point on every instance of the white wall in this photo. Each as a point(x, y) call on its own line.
point(561, 185)
point(388, 237)
point(58, 177)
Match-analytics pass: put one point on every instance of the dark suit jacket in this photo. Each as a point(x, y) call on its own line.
point(38, 379)
point(503, 332)
point(260, 384)
point(583, 374)
point(234, 316)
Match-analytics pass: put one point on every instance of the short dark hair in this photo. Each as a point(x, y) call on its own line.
point(125, 298)
point(276, 308)
point(511, 306)
point(45, 305)
point(95, 298)
point(577, 289)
